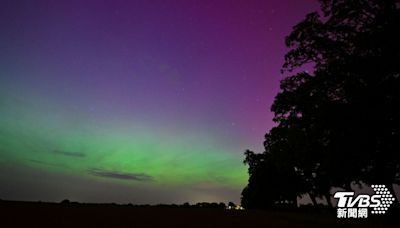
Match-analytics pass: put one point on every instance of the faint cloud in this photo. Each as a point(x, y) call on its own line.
point(69, 153)
point(120, 175)
point(44, 163)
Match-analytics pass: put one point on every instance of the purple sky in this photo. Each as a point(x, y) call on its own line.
point(202, 69)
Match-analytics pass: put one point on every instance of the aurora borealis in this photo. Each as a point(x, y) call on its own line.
point(136, 101)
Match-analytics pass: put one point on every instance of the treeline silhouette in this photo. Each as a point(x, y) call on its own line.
point(338, 124)
point(66, 202)
point(74, 214)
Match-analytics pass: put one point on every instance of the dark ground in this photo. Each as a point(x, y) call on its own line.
point(35, 214)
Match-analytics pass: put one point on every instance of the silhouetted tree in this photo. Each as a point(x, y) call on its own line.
point(340, 123)
point(65, 201)
point(269, 185)
point(186, 204)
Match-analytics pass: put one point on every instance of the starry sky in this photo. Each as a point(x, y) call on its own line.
point(137, 101)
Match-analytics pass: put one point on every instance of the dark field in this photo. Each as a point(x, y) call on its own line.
point(30, 214)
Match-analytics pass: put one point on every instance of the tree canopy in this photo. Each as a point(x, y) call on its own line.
point(339, 123)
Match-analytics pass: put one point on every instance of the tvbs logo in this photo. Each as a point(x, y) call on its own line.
point(357, 207)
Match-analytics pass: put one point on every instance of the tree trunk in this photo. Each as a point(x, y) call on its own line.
point(328, 200)
point(391, 189)
point(294, 201)
point(313, 199)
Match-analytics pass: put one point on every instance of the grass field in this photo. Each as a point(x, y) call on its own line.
point(33, 214)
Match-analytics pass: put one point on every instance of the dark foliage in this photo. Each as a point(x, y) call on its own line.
point(339, 124)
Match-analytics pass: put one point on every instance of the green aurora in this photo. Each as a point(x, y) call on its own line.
point(54, 139)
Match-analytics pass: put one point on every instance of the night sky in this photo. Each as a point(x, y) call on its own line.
point(137, 101)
